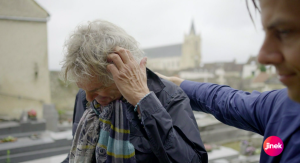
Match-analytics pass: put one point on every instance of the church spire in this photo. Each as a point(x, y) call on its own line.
point(192, 31)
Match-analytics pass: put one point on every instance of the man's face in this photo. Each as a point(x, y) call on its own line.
point(281, 47)
point(95, 90)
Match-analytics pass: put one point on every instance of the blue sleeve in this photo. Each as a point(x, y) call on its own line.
point(244, 110)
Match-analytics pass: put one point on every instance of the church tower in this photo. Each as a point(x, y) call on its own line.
point(191, 54)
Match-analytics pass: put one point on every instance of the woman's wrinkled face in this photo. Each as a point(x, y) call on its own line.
point(281, 47)
point(96, 91)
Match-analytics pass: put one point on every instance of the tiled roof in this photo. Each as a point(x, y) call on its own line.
point(227, 66)
point(164, 51)
point(273, 80)
point(261, 78)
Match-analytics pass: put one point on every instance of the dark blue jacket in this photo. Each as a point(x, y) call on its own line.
point(168, 133)
point(269, 113)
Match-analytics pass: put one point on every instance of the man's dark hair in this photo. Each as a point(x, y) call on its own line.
point(255, 6)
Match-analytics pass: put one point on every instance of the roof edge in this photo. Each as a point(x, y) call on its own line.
point(41, 7)
point(31, 19)
point(161, 46)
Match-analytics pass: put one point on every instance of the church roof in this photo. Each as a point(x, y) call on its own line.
point(164, 51)
point(192, 31)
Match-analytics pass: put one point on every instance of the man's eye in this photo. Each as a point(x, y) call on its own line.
point(283, 33)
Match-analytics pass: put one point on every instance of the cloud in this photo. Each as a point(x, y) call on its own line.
point(225, 26)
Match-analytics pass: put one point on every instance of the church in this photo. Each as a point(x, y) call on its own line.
point(177, 57)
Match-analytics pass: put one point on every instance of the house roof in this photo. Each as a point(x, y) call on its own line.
point(227, 66)
point(273, 79)
point(21, 9)
point(252, 59)
point(164, 51)
point(261, 78)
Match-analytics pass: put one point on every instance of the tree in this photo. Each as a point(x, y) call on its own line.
point(262, 68)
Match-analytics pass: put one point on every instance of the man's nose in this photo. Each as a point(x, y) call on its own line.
point(270, 52)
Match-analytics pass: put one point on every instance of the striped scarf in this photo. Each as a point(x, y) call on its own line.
point(103, 134)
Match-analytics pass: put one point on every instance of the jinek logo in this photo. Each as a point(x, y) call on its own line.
point(273, 146)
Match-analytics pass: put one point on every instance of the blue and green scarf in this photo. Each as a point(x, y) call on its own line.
point(103, 134)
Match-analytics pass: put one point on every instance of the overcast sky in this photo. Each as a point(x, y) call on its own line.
point(225, 27)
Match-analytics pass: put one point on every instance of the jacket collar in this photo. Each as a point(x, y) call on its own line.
point(153, 81)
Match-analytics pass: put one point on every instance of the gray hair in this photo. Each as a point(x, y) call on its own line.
point(87, 48)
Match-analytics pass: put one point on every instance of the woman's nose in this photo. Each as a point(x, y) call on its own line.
point(90, 96)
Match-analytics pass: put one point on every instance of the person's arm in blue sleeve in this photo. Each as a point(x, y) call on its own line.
point(244, 110)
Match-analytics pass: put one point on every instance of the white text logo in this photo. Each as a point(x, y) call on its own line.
point(273, 146)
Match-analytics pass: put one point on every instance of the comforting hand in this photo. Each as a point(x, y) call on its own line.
point(173, 79)
point(129, 76)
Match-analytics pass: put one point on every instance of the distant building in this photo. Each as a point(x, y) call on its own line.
point(24, 74)
point(259, 77)
point(266, 81)
point(250, 68)
point(225, 73)
point(176, 57)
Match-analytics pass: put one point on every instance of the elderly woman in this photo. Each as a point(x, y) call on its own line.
point(123, 111)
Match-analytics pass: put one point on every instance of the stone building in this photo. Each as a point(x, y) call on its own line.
point(224, 73)
point(177, 57)
point(24, 74)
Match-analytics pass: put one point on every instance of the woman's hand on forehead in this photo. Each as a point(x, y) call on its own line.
point(129, 76)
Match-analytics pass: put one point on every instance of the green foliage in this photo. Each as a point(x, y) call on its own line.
point(257, 151)
point(233, 145)
point(61, 112)
point(7, 156)
point(61, 83)
point(8, 139)
point(262, 68)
